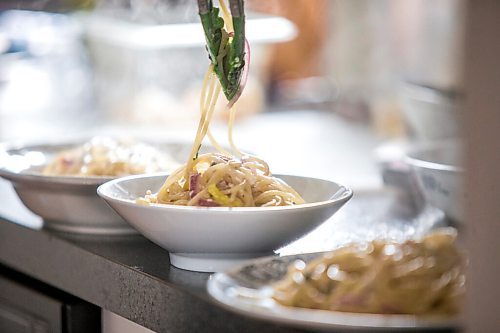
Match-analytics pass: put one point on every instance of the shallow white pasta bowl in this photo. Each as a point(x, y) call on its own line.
point(66, 203)
point(213, 238)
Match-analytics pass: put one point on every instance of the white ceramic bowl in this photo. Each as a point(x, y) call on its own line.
point(436, 167)
point(212, 238)
point(68, 203)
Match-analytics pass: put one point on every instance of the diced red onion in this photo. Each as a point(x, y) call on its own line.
point(225, 159)
point(208, 203)
point(67, 161)
point(357, 300)
point(194, 184)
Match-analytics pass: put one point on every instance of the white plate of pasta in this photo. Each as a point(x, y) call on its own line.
point(210, 238)
point(340, 290)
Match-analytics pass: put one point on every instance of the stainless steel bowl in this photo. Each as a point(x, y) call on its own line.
point(437, 169)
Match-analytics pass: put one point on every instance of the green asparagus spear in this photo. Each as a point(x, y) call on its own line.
point(237, 50)
point(226, 56)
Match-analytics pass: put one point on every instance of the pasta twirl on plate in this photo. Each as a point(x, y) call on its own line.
point(109, 157)
point(415, 277)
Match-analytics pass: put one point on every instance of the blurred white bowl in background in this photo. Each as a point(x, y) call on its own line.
point(67, 203)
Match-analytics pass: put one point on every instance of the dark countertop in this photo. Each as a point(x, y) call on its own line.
point(131, 276)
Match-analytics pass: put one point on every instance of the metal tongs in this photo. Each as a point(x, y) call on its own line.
point(226, 50)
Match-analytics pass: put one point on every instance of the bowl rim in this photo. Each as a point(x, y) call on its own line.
point(341, 196)
point(27, 175)
point(412, 158)
point(430, 94)
point(32, 177)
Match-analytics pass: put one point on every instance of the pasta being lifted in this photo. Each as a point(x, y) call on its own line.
point(223, 179)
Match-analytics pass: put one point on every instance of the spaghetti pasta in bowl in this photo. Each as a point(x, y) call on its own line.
point(218, 180)
point(213, 238)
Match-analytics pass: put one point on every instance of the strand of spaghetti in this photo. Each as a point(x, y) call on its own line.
point(223, 50)
point(287, 188)
point(210, 112)
point(204, 109)
point(172, 178)
point(226, 16)
point(222, 54)
point(211, 107)
point(178, 174)
point(232, 115)
point(249, 197)
point(200, 134)
point(210, 94)
point(205, 103)
point(271, 193)
point(212, 139)
point(216, 144)
point(280, 185)
point(203, 96)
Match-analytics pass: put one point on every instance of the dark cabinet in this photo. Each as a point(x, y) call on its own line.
point(29, 306)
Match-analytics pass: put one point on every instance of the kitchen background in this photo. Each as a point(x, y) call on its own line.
point(338, 87)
